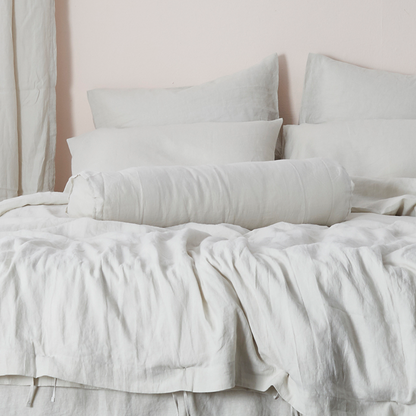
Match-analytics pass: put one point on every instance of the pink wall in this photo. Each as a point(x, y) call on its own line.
point(165, 43)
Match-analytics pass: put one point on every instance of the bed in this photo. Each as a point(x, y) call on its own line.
point(235, 285)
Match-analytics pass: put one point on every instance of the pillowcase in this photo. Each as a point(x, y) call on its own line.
point(251, 194)
point(181, 144)
point(336, 91)
point(248, 95)
point(371, 148)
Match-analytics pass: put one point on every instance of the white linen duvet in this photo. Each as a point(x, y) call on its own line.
point(325, 315)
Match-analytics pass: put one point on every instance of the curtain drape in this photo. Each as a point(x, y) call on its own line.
point(27, 96)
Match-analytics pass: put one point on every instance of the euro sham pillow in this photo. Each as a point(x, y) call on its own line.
point(184, 144)
point(370, 148)
point(338, 91)
point(247, 95)
point(251, 194)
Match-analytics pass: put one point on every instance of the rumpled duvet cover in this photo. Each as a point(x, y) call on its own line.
point(324, 315)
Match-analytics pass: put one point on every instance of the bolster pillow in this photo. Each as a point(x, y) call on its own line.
point(250, 194)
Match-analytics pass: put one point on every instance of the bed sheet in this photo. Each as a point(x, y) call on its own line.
point(323, 315)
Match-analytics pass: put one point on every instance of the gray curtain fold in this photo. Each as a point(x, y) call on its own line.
point(27, 96)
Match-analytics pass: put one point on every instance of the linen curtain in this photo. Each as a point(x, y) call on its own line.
point(27, 96)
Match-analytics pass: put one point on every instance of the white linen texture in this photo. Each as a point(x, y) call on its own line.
point(336, 91)
point(247, 95)
point(251, 195)
point(392, 196)
point(114, 149)
point(72, 401)
point(368, 148)
point(326, 315)
point(27, 97)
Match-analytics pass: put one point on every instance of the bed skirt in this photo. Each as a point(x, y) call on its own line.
point(50, 401)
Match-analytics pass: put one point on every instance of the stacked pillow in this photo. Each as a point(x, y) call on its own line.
point(204, 154)
point(230, 120)
point(363, 118)
point(184, 126)
point(110, 149)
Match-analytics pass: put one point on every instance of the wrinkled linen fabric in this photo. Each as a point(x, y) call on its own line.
point(87, 402)
point(393, 196)
point(40, 198)
point(27, 96)
point(251, 194)
point(325, 315)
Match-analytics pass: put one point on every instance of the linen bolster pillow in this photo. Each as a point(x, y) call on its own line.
point(250, 194)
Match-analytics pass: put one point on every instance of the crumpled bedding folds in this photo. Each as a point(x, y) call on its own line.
point(325, 315)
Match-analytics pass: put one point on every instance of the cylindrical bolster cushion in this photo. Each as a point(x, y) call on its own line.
point(252, 194)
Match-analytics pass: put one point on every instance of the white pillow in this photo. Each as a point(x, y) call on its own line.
point(251, 194)
point(336, 91)
point(248, 95)
point(182, 144)
point(371, 148)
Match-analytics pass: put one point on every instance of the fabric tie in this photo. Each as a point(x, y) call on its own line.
point(54, 391)
point(31, 395)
